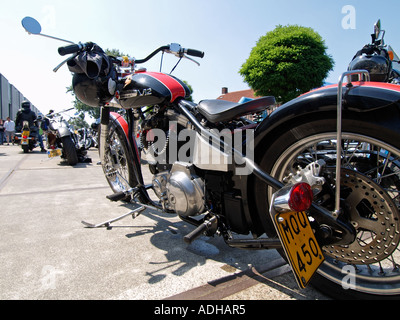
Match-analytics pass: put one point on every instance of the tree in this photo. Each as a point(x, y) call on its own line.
point(287, 62)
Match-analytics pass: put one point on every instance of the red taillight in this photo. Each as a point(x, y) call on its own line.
point(24, 137)
point(301, 197)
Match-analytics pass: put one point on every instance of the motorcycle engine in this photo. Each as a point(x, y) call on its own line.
point(180, 189)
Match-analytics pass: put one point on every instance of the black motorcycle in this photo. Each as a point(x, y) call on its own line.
point(27, 137)
point(331, 209)
point(378, 59)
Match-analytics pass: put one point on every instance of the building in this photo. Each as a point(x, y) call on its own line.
point(10, 100)
point(236, 96)
point(243, 96)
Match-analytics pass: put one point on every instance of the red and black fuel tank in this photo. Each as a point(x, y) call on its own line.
point(149, 88)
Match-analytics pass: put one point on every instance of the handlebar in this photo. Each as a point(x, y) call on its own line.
point(75, 48)
point(172, 48)
point(194, 53)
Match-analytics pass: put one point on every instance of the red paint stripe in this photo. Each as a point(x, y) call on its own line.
point(124, 125)
point(176, 89)
point(381, 85)
point(122, 122)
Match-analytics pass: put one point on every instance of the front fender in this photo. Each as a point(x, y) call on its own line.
point(359, 97)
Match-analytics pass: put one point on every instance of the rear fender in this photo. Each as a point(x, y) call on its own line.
point(63, 132)
point(377, 102)
point(359, 97)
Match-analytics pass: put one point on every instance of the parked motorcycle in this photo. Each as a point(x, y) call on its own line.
point(85, 140)
point(378, 59)
point(331, 209)
point(61, 138)
point(94, 132)
point(25, 138)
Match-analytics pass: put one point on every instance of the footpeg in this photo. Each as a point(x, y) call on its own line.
point(116, 196)
point(206, 225)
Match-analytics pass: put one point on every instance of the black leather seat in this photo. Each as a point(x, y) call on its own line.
point(221, 110)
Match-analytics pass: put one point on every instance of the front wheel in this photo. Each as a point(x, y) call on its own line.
point(118, 159)
point(370, 184)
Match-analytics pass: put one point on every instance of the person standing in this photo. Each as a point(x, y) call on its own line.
point(9, 126)
point(1, 131)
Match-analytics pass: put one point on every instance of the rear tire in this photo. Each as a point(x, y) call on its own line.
point(376, 163)
point(69, 150)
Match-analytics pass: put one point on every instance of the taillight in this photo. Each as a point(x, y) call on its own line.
point(300, 197)
point(24, 137)
point(296, 197)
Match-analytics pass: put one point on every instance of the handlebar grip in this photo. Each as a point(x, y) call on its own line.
point(195, 53)
point(69, 49)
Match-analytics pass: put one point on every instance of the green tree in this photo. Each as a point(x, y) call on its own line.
point(79, 121)
point(287, 62)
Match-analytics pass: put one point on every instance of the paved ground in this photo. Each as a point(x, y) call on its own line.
point(47, 253)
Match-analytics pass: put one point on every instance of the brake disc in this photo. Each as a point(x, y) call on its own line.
point(375, 217)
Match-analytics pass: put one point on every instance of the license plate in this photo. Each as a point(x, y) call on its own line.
point(24, 142)
point(54, 153)
point(302, 249)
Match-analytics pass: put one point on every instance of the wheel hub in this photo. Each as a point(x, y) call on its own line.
point(375, 217)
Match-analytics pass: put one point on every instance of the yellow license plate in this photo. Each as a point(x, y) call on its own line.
point(24, 141)
point(54, 153)
point(298, 240)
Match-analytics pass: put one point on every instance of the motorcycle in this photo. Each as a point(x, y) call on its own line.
point(85, 140)
point(61, 138)
point(377, 58)
point(279, 184)
point(27, 141)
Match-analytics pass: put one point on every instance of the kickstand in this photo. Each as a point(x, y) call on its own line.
point(134, 213)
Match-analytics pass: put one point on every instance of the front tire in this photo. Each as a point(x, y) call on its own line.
point(370, 201)
point(118, 163)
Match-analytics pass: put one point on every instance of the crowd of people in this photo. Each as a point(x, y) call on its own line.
point(9, 127)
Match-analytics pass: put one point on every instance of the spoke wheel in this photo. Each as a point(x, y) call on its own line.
point(117, 162)
point(370, 201)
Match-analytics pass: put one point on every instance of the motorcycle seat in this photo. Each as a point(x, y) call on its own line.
point(216, 110)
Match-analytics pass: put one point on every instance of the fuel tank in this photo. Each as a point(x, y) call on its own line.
point(149, 88)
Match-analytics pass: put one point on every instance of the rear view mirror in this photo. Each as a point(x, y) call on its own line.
point(31, 25)
point(377, 28)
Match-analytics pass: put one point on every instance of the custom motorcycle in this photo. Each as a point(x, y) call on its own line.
point(318, 179)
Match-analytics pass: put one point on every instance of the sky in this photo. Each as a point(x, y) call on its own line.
point(226, 30)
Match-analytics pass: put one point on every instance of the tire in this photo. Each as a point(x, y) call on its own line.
point(370, 184)
point(118, 164)
point(69, 150)
point(25, 148)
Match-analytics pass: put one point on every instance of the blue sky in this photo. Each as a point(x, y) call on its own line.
point(226, 30)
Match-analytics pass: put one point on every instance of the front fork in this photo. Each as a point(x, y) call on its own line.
point(104, 121)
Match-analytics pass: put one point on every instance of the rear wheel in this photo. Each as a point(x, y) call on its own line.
point(370, 184)
point(69, 150)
